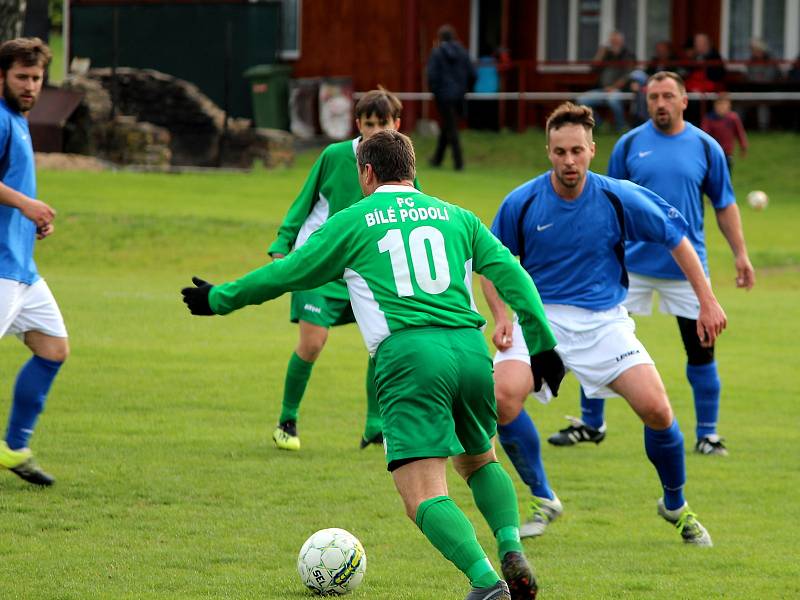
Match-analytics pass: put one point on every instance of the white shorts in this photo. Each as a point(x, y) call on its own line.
point(676, 296)
point(26, 307)
point(597, 346)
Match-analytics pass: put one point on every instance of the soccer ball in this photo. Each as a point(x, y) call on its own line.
point(757, 199)
point(332, 562)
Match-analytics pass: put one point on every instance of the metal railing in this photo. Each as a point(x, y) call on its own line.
point(557, 81)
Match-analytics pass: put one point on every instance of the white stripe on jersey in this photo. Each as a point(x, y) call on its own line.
point(318, 215)
point(468, 284)
point(370, 318)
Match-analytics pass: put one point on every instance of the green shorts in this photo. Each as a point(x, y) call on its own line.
point(314, 308)
point(436, 393)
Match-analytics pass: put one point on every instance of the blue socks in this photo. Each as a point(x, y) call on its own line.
point(665, 450)
point(521, 442)
point(30, 391)
point(592, 410)
point(706, 388)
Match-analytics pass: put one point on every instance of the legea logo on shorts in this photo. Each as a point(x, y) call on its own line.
point(625, 355)
point(312, 308)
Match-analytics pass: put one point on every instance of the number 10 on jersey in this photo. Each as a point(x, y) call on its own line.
point(428, 260)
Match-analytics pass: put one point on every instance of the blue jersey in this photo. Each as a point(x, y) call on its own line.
point(575, 249)
point(679, 168)
point(17, 171)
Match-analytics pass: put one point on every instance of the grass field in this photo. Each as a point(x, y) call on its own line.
point(158, 426)
point(56, 71)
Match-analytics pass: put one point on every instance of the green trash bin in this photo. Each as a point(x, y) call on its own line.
point(269, 85)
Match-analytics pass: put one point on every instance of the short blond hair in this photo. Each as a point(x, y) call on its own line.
point(570, 114)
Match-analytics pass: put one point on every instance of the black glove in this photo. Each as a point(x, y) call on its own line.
point(547, 367)
point(196, 298)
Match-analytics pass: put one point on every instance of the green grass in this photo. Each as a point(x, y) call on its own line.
point(158, 426)
point(56, 70)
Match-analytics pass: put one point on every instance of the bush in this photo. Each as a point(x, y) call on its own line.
point(56, 12)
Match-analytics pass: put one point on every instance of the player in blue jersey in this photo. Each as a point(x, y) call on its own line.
point(680, 163)
point(569, 227)
point(27, 307)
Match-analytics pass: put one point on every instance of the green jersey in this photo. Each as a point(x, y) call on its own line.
point(407, 259)
point(331, 186)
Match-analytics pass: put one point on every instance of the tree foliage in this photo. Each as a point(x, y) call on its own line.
point(12, 18)
point(56, 10)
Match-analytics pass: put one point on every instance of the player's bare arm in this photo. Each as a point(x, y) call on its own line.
point(502, 323)
point(712, 319)
point(730, 224)
point(36, 210)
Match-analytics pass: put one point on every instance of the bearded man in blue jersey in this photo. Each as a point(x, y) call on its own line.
point(569, 227)
point(680, 163)
point(27, 307)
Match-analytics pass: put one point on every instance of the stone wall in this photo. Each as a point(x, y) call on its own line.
point(132, 142)
point(195, 125)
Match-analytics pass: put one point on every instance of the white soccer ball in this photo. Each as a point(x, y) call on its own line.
point(758, 199)
point(332, 562)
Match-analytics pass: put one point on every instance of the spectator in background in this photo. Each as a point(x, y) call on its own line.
point(762, 67)
point(613, 63)
point(663, 59)
point(484, 114)
point(638, 86)
point(725, 126)
point(761, 70)
point(707, 72)
point(450, 76)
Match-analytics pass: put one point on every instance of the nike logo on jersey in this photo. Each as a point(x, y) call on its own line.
point(543, 227)
point(645, 153)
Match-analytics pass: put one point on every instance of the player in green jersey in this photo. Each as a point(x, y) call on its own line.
point(408, 260)
point(331, 186)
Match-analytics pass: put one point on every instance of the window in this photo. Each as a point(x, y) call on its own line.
point(558, 26)
point(572, 30)
point(588, 28)
point(776, 22)
point(290, 29)
point(772, 25)
point(485, 25)
point(658, 26)
point(740, 24)
point(626, 20)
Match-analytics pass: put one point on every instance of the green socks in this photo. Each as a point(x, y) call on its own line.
point(451, 533)
point(374, 424)
point(495, 497)
point(297, 375)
